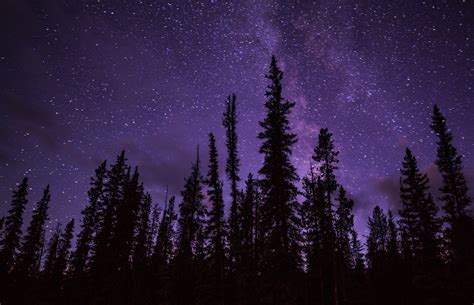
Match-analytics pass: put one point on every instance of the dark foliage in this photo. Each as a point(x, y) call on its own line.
point(275, 246)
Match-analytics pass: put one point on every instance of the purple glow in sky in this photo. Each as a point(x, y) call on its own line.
point(81, 80)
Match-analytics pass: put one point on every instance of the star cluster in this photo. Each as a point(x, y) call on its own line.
point(81, 80)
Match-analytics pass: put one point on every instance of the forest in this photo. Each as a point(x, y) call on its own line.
point(284, 240)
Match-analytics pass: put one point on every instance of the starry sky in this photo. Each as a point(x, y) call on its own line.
point(81, 80)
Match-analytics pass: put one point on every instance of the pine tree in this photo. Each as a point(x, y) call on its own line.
point(279, 220)
point(311, 211)
point(52, 253)
point(454, 188)
point(141, 276)
point(143, 231)
point(246, 269)
point(232, 170)
point(30, 254)
point(90, 218)
point(326, 157)
point(11, 238)
point(377, 241)
point(113, 195)
point(418, 214)
point(377, 245)
point(392, 246)
point(64, 252)
point(106, 272)
point(215, 226)
point(127, 211)
point(343, 227)
point(190, 236)
point(163, 252)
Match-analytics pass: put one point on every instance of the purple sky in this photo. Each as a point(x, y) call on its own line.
point(80, 80)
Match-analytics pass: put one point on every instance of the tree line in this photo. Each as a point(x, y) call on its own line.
point(279, 245)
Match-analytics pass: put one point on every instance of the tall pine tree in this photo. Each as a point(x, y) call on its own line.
point(279, 220)
point(10, 242)
point(30, 255)
point(190, 237)
point(454, 188)
point(84, 244)
point(232, 171)
point(215, 226)
point(326, 157)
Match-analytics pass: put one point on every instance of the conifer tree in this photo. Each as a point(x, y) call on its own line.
point(10, 242)
point(378, 237)
point(326, 157)
point(311, 210)
point(454, 188)
point(106, 274)
point(418, 219)
point(30, 255)
point(392, 246)
point(377, 244)
point(163, 252)
point(190, 236)
point(247, 268)
point(143, 231)
point(64, 252)
point(279, 220)
point(90, 218)
point(52, 253)
point(141, 277)
point(113, 195)
point(343, 227)
point(215, 226)
point(232, 170)
point(127, 211)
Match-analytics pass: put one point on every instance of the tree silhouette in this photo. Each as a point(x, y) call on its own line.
point(279, 219)
point(232, 171)
point(215, 226)
point(11, 238)
point(274, 246)
point(326, 157)
point(190, 237)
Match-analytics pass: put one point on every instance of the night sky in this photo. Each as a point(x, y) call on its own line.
point(81, 80)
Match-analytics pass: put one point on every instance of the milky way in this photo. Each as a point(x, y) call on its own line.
point(81, 80)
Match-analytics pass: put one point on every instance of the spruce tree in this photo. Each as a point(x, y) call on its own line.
point(106, 274)
point(140, 262)
point(377, 241)
point(215, 225)
point(246, 269)
point(279, 220)
point(343, 227)
point(326, 158)
point(52, 253)
point(377, 244)
point(418, 219)
point(454, 188)
point(113, 195)
point(232, 170)
point(30, 255)
point(313, 221)
point(64, 252)
point(190, 236)
point(163, 253)
point(10, 242)
point(127, 211)
point(143, 231)
point(90, 218)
